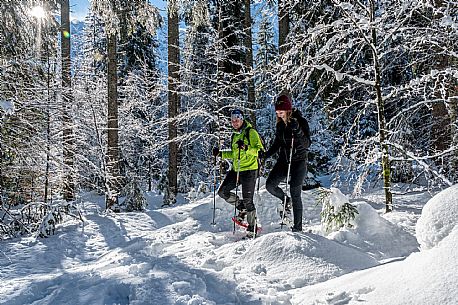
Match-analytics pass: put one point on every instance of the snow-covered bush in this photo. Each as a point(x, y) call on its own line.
point(438, 218)
point(337, 212)
point(135, 200)
point(36, 217)
point(201, 192)
point(374, 234)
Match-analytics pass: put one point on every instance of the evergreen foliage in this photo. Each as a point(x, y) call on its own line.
point(135, 200)
point(335, 214)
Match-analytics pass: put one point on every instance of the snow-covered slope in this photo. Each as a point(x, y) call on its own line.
point(175, 256)
point(427, 277)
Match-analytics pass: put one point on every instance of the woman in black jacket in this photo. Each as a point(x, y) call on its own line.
point(291, 126)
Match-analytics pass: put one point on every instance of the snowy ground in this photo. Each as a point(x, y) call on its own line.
point(175, 256)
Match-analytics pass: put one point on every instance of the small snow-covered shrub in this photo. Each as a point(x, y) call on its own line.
point(36, 217)
point(337, 212)
point(202, 189)
point(135, 200)
point(194, 194)
point(163, 186)
point(439, 218)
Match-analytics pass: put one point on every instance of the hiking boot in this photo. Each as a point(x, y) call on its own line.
point(250, 232)
point(288, 205)
point(240, 205)
point(293, 229)
point(241, 216)
point(233, 199)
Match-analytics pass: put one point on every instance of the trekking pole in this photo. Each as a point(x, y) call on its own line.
point(259, 174)
point(214, 190)
point(258, 180)
point(287, 180)
point(255, 230)
point(236, 190)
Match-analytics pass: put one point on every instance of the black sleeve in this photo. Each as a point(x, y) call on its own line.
point(274, 147)
point(305, 129)
point(297, 132)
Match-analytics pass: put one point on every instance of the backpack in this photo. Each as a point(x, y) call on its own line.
point(247, 136)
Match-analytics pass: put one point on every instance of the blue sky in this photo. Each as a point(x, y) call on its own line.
point(79, 7)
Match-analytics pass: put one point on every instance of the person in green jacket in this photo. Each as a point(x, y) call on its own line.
point(245, 145)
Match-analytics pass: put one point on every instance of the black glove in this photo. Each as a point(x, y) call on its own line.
point(241, 145)
point(261, 155)
point(294, 124)
point(215, 152)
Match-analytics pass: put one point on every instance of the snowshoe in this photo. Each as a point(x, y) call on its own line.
point(244, 224)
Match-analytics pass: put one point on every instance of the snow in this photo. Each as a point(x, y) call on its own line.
point(7, 106)
point(175, 256)
point(337, 199)
point(423, 278)
point(439, 218)
point(377, 236)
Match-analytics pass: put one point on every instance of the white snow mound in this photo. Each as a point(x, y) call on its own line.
point(438, 218)
point(375, 235)
point(423, 278)
point(277, 256)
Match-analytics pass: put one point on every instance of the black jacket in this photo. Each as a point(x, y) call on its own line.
point(283, 135)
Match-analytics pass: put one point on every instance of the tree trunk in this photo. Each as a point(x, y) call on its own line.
point(453, 106)
point(249, 63)
point(440, 132)
point(48, 125)
point(283, 25)
point(233, 61)
point(67, 99)
point(386, 168)
point(112, 163)
point(173, 80)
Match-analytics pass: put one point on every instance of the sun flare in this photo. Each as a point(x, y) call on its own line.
point(37, 12)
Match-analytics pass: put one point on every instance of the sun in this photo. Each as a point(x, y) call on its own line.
point(38, 12)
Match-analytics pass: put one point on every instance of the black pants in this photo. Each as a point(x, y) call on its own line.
point(247, 180)
point(277, 175)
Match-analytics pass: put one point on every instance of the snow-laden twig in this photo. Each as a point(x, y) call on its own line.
point(420, 161)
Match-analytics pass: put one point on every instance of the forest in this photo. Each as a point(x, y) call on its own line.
point(136, 100)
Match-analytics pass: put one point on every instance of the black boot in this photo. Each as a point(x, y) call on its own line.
point(251, 219)
point(241, 216)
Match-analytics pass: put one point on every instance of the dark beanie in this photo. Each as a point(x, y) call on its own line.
point(283, 103)
point(237, 114)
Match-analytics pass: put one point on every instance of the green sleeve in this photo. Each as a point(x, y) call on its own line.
point(226, 154)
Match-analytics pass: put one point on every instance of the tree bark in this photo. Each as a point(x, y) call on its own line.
point(453, 106)
point(249, 63)
point(112, 179)
point(173, 97)
point(48, 125)
point(67, 99)
point(232, 60)
point(386, 168)
point(283, 25)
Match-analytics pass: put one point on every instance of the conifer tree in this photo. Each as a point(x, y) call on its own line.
point(131, 13)
point(265, 60)
point(198, 99)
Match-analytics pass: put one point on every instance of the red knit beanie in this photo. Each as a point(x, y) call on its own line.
point(283, 103)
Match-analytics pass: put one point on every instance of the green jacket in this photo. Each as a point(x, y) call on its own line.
point(249, 157)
